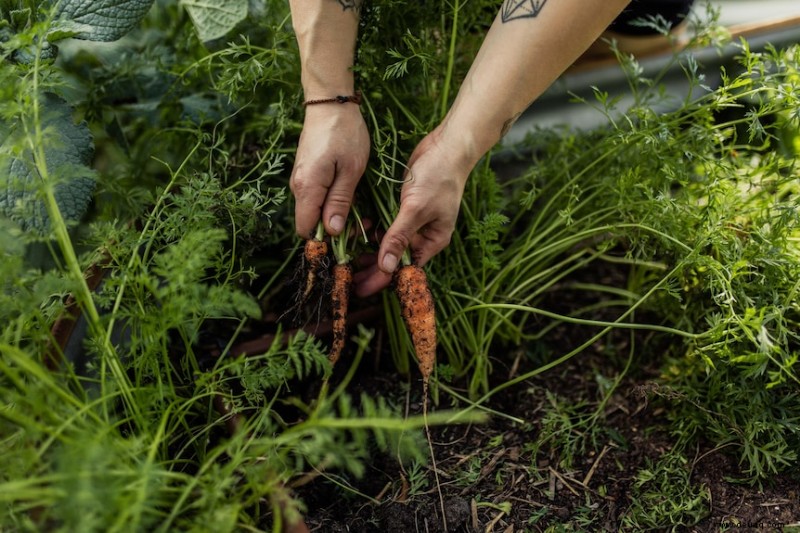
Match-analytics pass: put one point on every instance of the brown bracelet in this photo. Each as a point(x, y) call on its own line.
point(355, 99)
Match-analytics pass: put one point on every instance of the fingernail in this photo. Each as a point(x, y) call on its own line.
point(337, 223)
point(389, 263)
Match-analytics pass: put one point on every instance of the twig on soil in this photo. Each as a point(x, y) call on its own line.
point(495, 520)
point(563, 481)
point(383, 491)
point(596, 463)
point(532, 503)
point(515, 365)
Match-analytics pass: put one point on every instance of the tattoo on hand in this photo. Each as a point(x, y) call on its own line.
point(519, 9)
point(355, 5)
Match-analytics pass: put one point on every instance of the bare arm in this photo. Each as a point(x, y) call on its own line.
point(326, 33)
point(530, 43)
point(334, 144)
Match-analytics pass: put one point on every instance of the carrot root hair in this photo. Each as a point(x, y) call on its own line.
point(419, 314)
point(314, 254)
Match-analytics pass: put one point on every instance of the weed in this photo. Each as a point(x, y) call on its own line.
point(663, 496)
point(566, 431)
point(417, 479)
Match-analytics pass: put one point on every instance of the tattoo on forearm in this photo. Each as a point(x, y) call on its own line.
point(355, 5)
point(508, 123)
point(519, 9)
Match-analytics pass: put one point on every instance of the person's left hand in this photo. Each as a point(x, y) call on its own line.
point(429, 203)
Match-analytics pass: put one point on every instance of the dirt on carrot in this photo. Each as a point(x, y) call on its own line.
point(314, 255)
point(340, 298)
point(418, 310)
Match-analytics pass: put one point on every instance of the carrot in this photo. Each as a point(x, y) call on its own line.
point(419, 314)
point(340, 297)
point(417, 308)
point(314, 255)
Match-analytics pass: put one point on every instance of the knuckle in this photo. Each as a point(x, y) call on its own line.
point(413, 205)
point(396, 241)
point(299, 184)
point(338, 199)
point(437, 245)
point(350, 169)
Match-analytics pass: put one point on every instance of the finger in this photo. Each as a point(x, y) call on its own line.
point(340, 196)
point(427, 243)
point(366, 260)
point(309, 185)
point(370, 281)
point(399, 235)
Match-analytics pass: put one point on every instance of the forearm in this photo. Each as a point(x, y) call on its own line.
point(326, 33)
point(523, 53)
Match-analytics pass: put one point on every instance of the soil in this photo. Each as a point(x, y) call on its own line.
point(483, 467)
point(494, 476)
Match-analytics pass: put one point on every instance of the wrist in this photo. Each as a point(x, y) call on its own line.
point(332, 110)
point(327, 85)
point(341, 99)
point(466, 139)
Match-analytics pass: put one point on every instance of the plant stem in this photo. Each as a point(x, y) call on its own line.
point(83, 295)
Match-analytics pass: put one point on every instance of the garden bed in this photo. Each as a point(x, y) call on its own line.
point(485, 468)
point(617, 312)
point(561, 452)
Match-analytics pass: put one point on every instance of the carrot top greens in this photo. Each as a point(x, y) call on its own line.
point(691, 199)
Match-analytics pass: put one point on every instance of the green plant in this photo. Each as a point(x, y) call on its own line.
point(154, 422)
point(566, 431)
point(663, 496)
point(700, 202)
point(149, 420)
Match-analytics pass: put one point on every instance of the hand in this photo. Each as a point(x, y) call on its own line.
point(331, 157)
point(429, 204)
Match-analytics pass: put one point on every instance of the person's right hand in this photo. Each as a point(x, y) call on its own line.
point(331, 157)
point(429, 203)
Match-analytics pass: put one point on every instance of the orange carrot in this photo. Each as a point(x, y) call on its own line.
point(419, 314)
point(417, 308)
point(314, 256)
point(340, 297)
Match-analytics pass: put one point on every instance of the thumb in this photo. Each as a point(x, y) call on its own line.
point(398, 238)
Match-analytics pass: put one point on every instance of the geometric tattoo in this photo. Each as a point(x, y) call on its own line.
point(355, 5)
point(520, 9)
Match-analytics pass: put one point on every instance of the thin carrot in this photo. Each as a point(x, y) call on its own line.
point(418, 310)
point(340, 298)
point(314, 254)
point(419, 314)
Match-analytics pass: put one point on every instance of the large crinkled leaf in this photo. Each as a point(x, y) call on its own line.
point(68, 150)
point(98, 20)
point(214, 18)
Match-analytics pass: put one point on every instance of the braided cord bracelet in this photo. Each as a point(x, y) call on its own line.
point(354, 98)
